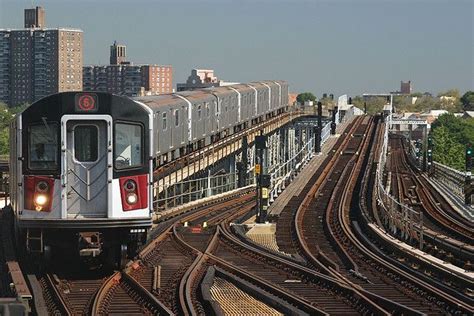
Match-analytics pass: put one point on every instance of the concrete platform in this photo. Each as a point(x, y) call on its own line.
point(298, 183)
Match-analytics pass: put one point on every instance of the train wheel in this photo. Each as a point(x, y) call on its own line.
point(123, 256)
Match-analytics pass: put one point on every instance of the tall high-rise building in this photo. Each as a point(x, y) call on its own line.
point(36, 62)
point(34, 17)
point(118, 54)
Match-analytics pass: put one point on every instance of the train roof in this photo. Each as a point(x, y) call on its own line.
point(156, 101)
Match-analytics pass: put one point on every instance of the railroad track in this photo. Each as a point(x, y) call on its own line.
point(349, 260)
point(285, 230)
point(12, 280)
point(426, 280)
point(165, 262)
point(324, 293)
point(72, 292)
point(292, 283)
point(328, 239)
point(416, 192)
point(446, 238)
point(121, 294)
point(214, 249)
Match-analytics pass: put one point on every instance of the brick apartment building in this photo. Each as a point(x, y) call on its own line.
point(123, 78)
point(38, 61)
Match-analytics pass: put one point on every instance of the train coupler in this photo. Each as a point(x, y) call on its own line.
point(34, 240)
point(90, 244)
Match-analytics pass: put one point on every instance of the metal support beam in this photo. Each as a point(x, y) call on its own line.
point(468, 190)
point(263, 179)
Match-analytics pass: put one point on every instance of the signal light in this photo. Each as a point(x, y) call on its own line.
point(469, 157)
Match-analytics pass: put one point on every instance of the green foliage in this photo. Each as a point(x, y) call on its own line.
point(328, 102)
point(424, 103)
point(6, 116)
point(305, 96)
point(467, 100)
point(374, 104)
point(450, 93)
point(450, 136)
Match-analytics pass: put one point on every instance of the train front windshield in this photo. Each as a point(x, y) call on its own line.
point(128, 146)
point(43, 147)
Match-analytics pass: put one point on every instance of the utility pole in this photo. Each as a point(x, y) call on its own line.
point(317, 147)
point(243, 165)
point(429, 154)
point(333, 122)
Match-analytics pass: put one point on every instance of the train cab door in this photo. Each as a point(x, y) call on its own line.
point(86, 165)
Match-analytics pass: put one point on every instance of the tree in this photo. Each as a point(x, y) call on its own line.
point(6, 116)
point(450, 136)
point(446, 150)
point(450, 93)
point(374, 104)
point(305, 96)
point(467, 100)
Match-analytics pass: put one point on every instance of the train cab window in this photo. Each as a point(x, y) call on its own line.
point(176, 117)
point(164, 125)
point(128, 151)
point(199, 112)
point(86, 143)
point(43, 147)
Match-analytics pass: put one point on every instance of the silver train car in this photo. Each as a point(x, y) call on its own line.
point(82, 163)
point(190, 120)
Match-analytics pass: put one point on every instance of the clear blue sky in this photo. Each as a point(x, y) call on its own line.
point(337, 46)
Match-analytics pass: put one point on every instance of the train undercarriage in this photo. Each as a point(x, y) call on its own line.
point(92, 246)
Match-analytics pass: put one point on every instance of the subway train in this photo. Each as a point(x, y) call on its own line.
point(82, 163)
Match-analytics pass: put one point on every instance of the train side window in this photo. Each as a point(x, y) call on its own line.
point(128, 151)
point(43, 147)
point(199, 112)
point(86, 143)
point(176, 117)
point(208, 112)
point(164, 123)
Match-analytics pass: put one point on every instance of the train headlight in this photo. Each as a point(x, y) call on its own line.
point(41, 200)
point(132, 198)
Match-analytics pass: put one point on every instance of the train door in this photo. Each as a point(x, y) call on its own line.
point(87, 163)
